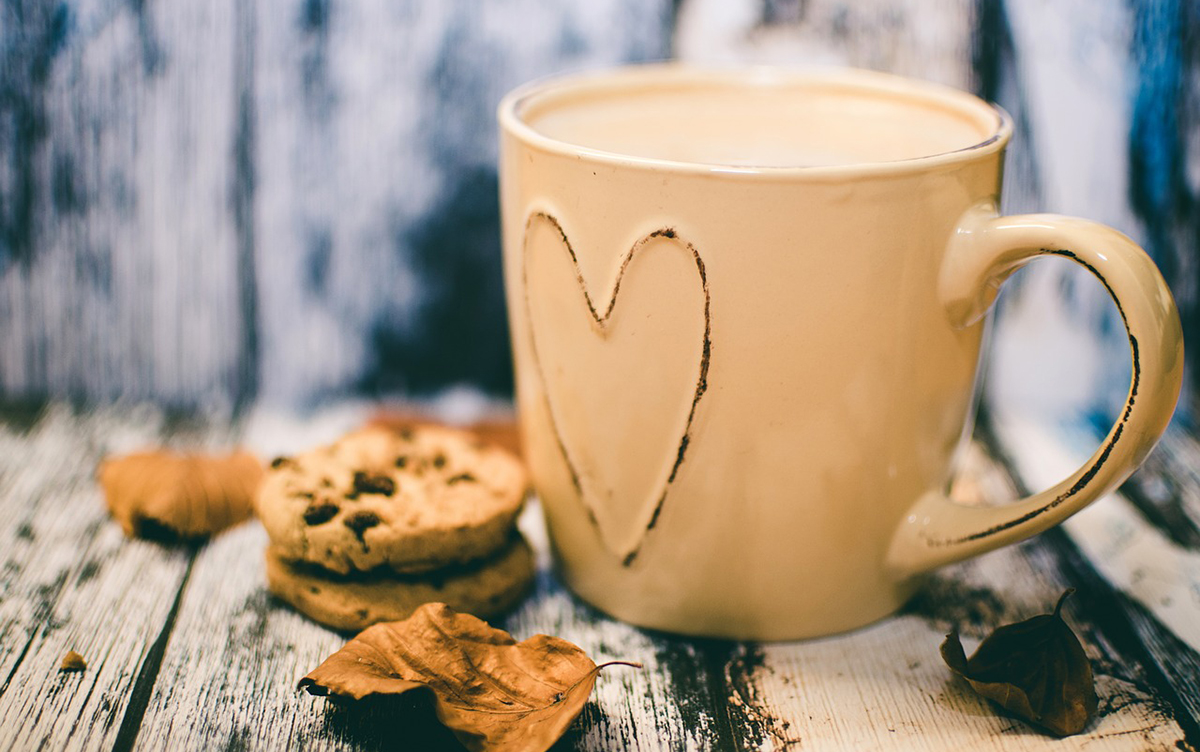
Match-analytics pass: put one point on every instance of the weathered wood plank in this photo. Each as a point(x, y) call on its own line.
point(886, 687)
point(669, 704)
point(230, 671)
point(46, 466)
point(1058, 343)
point(1166, 489)
point(123, 279)
point(928, 39)
point(378, 224)
point(293, 196)
point(230, 655)
point(71, 581)
point(880, 686)
point(113, 618)
point(1157, 574)
point(61, 560)
point(228, 676)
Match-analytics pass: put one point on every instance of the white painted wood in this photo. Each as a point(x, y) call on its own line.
point(131, 284)
point(235, 655)
point(1058, 343)
point(225, 197)
point(45, 484)
point(1073, 61)
point(111, 618)
point(928, 39)
point(639, 709)
point(229, 671)
point(1132, 554)
point(229, 675)
point(69, 580)
point(886, 687)
point(370, 121)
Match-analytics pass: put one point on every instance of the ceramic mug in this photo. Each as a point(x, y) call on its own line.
point(746, 311)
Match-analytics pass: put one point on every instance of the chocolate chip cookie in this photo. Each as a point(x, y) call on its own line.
point(413, 500)
point(484, 588)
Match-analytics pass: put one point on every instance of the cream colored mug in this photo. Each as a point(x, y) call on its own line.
point(746, 314)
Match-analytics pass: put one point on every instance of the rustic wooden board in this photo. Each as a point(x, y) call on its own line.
point(46, 462)
point(187, 650)
point(929, 39)
point(1154, 568)
point(886, 687)
point(230, 670)
point(71, 581)
point(670, 703)
point(235, 655)
point(288, 198)
point(122, 270)
point(229, 674)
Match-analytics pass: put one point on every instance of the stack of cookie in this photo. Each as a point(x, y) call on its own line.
point(369, 528)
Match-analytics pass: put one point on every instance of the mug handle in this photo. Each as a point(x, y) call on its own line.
point(983, 252)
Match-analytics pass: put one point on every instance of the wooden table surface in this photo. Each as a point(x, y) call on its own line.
point(187, 650)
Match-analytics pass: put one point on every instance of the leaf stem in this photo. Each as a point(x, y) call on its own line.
point(619, 663)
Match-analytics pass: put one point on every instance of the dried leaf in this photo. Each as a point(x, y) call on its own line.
point(494, 693)
point(1036, 669)
point(161, 494)
point(72, 661)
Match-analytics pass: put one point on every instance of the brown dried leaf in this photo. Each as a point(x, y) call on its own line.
point(161, 494)
point(1036, 669)
point(494, 693)
point(72, 661)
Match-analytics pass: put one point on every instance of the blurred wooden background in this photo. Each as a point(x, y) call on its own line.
point(290, 201)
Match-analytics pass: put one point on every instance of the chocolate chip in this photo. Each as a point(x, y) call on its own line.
point(460, 478)
point(279, 462)
point(320, 513)
point(366, 483)
point(402, 461)
point(360, 522)
point(439, 461)
point(406, 434)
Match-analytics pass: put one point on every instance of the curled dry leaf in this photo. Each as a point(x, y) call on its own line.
point(1036, 669)
point(494, 693)
point(161, 494)
point(72, 661)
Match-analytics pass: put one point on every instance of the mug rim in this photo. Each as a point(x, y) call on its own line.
point(512, 121)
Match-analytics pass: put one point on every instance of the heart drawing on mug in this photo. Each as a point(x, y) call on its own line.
point(622, 382)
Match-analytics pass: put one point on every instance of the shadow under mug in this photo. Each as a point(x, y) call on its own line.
point(746, 310)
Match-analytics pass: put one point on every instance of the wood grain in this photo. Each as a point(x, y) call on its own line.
point(287, 198)
point(886, 687)
point(127, 283)
point(1155, 573)
point(71, 581)
point(187, 650)
point(930, 39)
point(663, 705)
